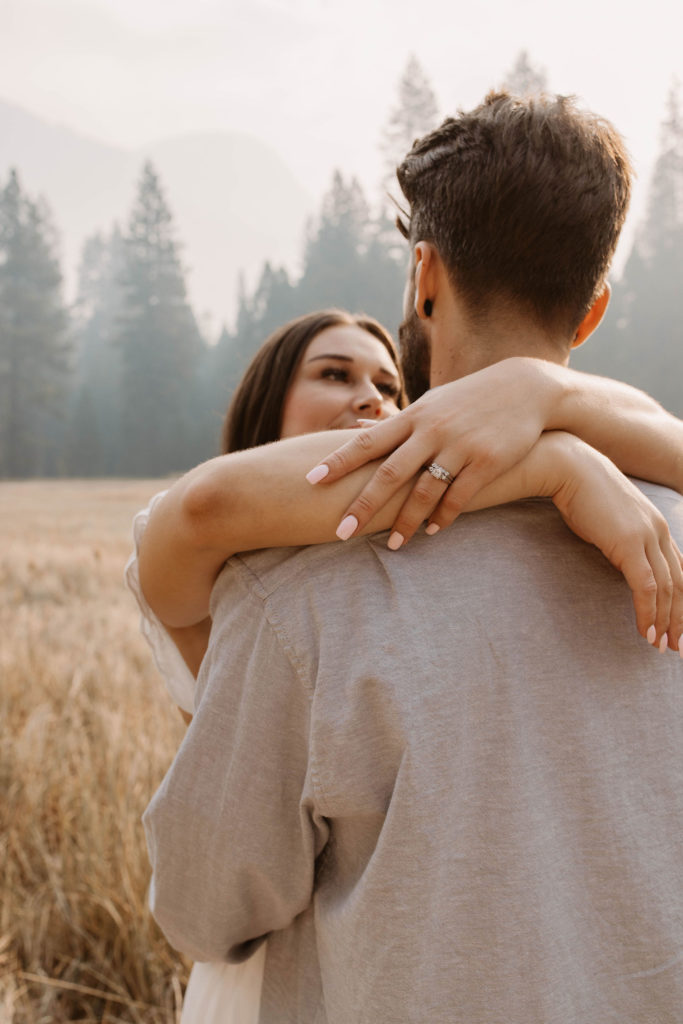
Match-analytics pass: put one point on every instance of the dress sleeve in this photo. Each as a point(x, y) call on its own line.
point(177, 677)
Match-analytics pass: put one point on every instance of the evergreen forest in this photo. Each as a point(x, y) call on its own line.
point(123, 382)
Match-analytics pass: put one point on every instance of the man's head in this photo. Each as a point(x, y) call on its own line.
point(522, 202)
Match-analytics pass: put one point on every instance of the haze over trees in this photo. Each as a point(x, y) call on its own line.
point(33, 335)
point(124, 383)
point(415, 114)
point(642, 337)
point(523, 79)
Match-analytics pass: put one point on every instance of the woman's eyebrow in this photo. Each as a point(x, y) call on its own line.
point(350, 359)
point(331, 355)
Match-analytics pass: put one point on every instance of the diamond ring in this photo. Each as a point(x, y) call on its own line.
point(439, 473)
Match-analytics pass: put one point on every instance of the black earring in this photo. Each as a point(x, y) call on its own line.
point(428, 307)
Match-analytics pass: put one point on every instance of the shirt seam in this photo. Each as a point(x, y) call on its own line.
point(252, 583)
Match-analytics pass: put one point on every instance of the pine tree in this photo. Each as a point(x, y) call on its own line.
point(414, 115)
point(160, 343)
point(659, 239)
point(225, 366)
point(523, 79)
point(346, 265)
point(641, 341)
point(34, 349)
point(334, 259)
point(95, 439)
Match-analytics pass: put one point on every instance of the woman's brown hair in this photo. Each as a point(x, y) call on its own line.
point(254, 416)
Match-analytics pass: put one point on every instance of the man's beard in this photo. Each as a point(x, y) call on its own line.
point(415, 356)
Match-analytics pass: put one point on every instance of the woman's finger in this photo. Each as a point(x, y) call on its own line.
point(633, 562)
point(661, 570)
point(471, 479)
point(365, 446)
point(675, 627)
point(424, 498)
point(388, 478)
point(435, 501)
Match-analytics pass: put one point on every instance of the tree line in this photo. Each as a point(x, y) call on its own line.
point(124, 383)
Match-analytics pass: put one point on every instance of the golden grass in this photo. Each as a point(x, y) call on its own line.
point(86, 734)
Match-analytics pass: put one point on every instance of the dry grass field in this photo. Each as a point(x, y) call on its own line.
point(86, 734)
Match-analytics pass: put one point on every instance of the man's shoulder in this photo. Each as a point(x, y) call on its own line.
point(669, 503)
point(533, 524)
point(272, 569)
point(659, 494)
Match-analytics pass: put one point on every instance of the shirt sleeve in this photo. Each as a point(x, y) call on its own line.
point(234, 831)
point(176, 675)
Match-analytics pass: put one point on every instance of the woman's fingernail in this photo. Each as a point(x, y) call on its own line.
point(395, 541)
point(651, 635)
point(318, 474)
point(664, 642)
point(680, 646)
point(367, 423)
point(347, 527)
point(432, 529)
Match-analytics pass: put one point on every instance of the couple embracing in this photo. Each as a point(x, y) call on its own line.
point(443, 785)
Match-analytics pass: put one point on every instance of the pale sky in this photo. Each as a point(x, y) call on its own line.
point(317, 78)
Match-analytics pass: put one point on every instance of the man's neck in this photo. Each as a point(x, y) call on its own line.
point(459, 346)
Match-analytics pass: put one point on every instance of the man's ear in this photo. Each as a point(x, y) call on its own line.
point(593, 316)
point(425, 277)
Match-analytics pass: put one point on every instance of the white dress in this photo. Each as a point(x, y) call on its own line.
point(217, 993)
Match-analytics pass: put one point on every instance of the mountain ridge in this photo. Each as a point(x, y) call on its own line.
point(234, 200)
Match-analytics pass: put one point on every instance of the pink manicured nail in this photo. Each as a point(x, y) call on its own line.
point(664, 643)
point(680, 646)
point(318, 474)
point(432, 529)
point(651, 635)
point(367, 423)
point(347, 527)
point(395, 541)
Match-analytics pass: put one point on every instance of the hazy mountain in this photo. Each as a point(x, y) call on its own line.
point(235, 201)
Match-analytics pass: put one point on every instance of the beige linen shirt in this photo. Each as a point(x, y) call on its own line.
point(447, 782)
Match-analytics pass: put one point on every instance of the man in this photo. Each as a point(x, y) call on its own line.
point(457, 782)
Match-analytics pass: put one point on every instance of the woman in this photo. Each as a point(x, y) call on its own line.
point(327, 371)
point(320, 372)
point(503, 430)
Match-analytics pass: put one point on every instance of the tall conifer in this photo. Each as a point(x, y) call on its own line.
point(160, 343)
point(523, 79)
point(415, 113)
point(95, 445)
point(34, 349)
point(641, 340)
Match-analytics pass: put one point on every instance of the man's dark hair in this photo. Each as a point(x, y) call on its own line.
point(524, 199)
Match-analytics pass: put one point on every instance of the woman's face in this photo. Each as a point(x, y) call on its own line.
point(345, 374)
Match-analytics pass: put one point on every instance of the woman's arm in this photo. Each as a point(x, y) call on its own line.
point(177, 653)
point(259, 498)
point(192, 642)
point(478, 426)
point(625, 424)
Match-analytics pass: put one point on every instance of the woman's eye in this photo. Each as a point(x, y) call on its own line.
point(390, 390)
point(334, 373)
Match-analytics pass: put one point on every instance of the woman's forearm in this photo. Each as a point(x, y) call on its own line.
point(192, 642)
point(260, 498)
point(239, 502)
point(628, 426)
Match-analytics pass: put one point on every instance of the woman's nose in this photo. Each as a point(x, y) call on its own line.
point(368, 400)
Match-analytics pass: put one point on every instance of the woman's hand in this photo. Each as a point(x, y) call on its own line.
point(476, 427)
point(603, 507)
point(481, 425)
